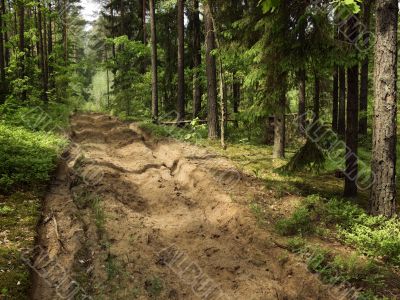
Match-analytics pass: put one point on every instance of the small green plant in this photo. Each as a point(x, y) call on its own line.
point(5, 210)
point(99, 215)
point(296, 244)
point(154, 286)
point(299, 223)
point(257, 210)
point(112, 267)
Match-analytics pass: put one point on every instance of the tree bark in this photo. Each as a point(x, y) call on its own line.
point(65, 32)
point(302, 100)
point(197, 93)
point(350, 185)
point(50, 49)
point(342, 102)
point(21, 34)
point(211, 70)
point(236, 97)
point(363, 125)
point(335, 99)
point(181, 62)
point(154, 77)
point(41, 51)
point(317, 96)
point(383, 192)
point(280, 125)
point(144, 10)
point(6, 50)
point(2, 57)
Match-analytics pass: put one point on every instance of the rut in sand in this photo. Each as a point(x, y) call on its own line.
point(131, 218)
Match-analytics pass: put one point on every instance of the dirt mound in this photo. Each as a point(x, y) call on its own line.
point(139, 219)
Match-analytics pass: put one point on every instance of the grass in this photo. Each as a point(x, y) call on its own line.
point(371, 279)
point(19, 214)
point(376, 237)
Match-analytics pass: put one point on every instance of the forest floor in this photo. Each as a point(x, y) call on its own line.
point(131, 217)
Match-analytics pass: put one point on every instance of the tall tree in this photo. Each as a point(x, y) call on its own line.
point(211, 70)
point(236, 95)
point(383, 193)
point(144, 11)
point(22, 50)
point(2, 59)
point(181, 61)
point(154, 76)
point(317, 95)
point(50, 47)
point(280, 123)
point(5, 32)
point(350, 187)
point(335, 98)
point(364, 70)
point(302, 99)
point(196, 60)
point(342, 101)
point(65, 30)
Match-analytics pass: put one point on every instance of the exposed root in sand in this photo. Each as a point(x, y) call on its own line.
point(131, 219)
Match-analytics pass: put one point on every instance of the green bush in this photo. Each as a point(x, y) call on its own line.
point(26, 157)
point(374, 236)
point(299, 223)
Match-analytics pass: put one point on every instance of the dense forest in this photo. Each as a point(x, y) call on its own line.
point(253, 141)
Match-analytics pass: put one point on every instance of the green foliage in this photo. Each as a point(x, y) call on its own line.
point(26, 157)
point(377, 237)
point(154, 286)
point(131, 86)
point(19, 214)
point(298, 223)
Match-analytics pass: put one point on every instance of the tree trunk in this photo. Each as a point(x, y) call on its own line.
point(350, 185)
point(144, 10)
point(41, 51)
point(154, 77)
point(21, 33)
point(236, 98)
point(364, 72)
point(302, 100)
point(196, 60)
point(50, 49)
point(46, 59)
point(2, 60)
point(383, 193)
point(65, 32)
point(342, 102)
point(211, 71)
point(317, 96)
point(181, 62)
point(280, 126)
point(335, 99)
point(6, 50)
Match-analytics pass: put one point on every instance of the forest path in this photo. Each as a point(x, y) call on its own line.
point(132, 218)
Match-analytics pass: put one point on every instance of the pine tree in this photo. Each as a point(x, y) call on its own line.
point(383, 192)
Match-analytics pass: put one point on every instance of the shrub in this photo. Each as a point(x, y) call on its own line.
point(26, 157)
point(299, 223)
point(374, 236)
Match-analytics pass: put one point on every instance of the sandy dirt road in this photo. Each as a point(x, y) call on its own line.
point(128, 217)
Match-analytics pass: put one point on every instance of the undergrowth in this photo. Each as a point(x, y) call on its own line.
point(31, 141)
point(374, 236)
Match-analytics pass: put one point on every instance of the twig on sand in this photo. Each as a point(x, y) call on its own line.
point(56, 231)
